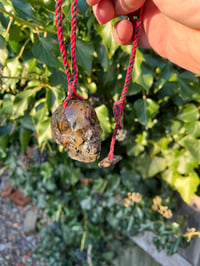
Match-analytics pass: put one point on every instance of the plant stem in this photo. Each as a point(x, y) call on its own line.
point(27, 23)
point(26, 78)
point(9, 25)
point(22, 49)
point(104, 186)
point(83, 241)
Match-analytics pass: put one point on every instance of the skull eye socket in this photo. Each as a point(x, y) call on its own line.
point(78, 137)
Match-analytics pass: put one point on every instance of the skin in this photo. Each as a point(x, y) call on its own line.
point(170, 27)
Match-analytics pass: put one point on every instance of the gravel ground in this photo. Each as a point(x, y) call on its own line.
point(16, 248)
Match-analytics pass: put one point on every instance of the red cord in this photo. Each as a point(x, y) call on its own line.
point(72, 77)
point(118, 107)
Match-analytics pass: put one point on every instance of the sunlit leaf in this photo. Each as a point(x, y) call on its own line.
point(3, 51)
point(186, 162)
point(189, 113)
point(142, 72)
point(102, 114)
point(41, 121)
point(192, 145)
point(110, 44)
point(187, 186)
point(21, 101)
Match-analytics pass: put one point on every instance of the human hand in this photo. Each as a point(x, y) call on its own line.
point(171, 28)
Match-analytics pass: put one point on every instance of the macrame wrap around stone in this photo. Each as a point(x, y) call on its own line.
point(78, 130)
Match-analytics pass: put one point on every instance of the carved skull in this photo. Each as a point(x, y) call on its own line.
point(77, 128)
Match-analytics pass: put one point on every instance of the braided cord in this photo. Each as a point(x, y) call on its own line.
point(118, 107)
point(71, 76)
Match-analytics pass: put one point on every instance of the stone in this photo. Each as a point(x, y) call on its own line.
point(30, 220)
point(78, 130)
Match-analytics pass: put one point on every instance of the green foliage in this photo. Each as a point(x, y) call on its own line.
point(160, 144)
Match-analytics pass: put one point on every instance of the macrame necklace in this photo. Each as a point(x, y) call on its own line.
point(74, 124)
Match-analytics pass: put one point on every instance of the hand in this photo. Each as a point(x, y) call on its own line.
point(171, 28)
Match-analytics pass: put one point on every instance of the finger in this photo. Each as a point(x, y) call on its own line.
point(123, 32)
point(185, 12)
point(172, 40)
point(106, 10)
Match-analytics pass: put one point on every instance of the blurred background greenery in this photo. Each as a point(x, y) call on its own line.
point(159, 143)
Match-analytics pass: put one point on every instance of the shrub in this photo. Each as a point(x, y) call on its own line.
point(159, 143)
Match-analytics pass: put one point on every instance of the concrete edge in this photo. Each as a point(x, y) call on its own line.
point(145, 241)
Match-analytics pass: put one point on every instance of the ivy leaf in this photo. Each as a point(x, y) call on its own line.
point(149, 167)
point(21, 101)
point(129, 177)
point(43, 49)
point(113, 182)
point(192, 145)
point(74, 176)
point(3, 51)
point(12, 68)
point(164, 75)
point(107, 38)
point(3, 145)
point(6, 129)
point(24, 10)
point(187, 186)
point(85, 52)
point(133, 89)
point(102, 114)
point(24, 137)
point(48, 4)
point(41, 121)
point(142, 73)
point(188, 86)
point(186, 162)
point(193, 128)
point(146, 110)
point(86, 203)
point(7, 104)
point(189, 113)
point(102, 56)
point(82, 6)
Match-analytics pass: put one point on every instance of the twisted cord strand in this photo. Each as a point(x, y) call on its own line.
point(118, 107)
point(73, 41)
point(72, 76)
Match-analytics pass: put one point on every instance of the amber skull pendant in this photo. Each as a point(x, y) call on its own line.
point(78, 130)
